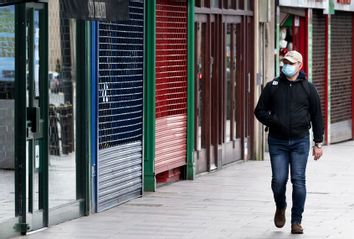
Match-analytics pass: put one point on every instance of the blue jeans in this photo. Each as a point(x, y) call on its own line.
point(293, 153)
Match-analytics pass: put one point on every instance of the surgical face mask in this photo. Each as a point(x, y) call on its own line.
point(289, 70)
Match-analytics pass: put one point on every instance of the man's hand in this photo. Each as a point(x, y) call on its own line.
point(316, 153)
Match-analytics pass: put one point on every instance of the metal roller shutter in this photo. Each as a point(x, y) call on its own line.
point(120, 108)
point(319, 56)
point(341, 77)
point(171, 84)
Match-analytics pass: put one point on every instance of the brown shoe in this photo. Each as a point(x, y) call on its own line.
point(296, 228)
point(279, 217)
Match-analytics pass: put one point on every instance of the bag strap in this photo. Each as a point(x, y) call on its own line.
point(275, 86)
point(304, 83)
point(306, 86)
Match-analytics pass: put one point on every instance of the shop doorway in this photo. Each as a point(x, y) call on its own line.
point(222, 92)
point(46, 184)
point(204, 73)
point(23, 84)
point(232, 92)
point(293, 34)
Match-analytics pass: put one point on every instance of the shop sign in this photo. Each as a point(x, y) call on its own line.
point(107, 10)
point(348, 2)
point(319, 4)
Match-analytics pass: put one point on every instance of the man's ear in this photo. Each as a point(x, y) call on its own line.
point(301, 64)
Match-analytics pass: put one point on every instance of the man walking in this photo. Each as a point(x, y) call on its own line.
point(288, 106)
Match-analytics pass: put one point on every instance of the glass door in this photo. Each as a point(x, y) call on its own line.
point(201, 104)
point(31, 116)
point(8, 169)
point(36, 114)
point(23, 67)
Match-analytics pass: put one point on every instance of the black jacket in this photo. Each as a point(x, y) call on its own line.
point(288, 109)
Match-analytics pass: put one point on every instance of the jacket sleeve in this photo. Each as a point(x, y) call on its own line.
point(262, 111)
point(316, 115)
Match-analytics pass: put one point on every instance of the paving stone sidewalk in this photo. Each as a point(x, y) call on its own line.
point(235, 202)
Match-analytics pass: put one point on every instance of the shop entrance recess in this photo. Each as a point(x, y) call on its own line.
point(24, 105)
point(222, 89)
point(233, 100)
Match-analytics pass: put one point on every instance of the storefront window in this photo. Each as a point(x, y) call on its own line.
point(62, 107)
point(228, 85)
point(201, 78)
point(200, 3)
point(214, 3)
point(237, 66)
point(7, 52)
point(7, 115)
point(230, 4)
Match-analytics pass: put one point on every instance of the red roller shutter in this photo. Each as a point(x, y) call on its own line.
point(341, 77)
point(300, 37)
point(171, 84)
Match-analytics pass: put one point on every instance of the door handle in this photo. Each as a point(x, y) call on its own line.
point(33, 116)
point(211, 66)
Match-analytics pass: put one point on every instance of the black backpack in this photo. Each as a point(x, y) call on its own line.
point(305, 85)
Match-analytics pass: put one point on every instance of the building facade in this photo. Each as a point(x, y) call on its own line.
point(322, 32)
point(100, 106)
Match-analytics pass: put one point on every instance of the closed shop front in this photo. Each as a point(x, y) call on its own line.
point(171, 88)
point(120, 47)
point(319, 58)
point(223, 83)
point(341, 77)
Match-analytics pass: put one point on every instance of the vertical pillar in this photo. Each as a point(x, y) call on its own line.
point(94, 117)
point(150, 96)
point(82, 121)
point(309, 28)
point(277, 29)
point(43, 56)
point(352, 76)
point(327, 76)
point(191, 167)
point(257, 150)
point(309, 43)
point(89, 192)
point(20, 116)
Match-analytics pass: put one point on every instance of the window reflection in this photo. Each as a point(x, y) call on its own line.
point(7, 115)
point(61, 79)
point(201, 78)
point(214, 3)
point(200, 3)
point(228, 85)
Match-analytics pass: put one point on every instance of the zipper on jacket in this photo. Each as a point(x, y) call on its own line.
point(289, 108)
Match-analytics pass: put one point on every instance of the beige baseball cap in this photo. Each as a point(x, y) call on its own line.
point(293, 56)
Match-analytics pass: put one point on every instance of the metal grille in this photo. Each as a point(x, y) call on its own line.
point(171, 84)
point(120, 109)
point(319, 55)
point(341, 71)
